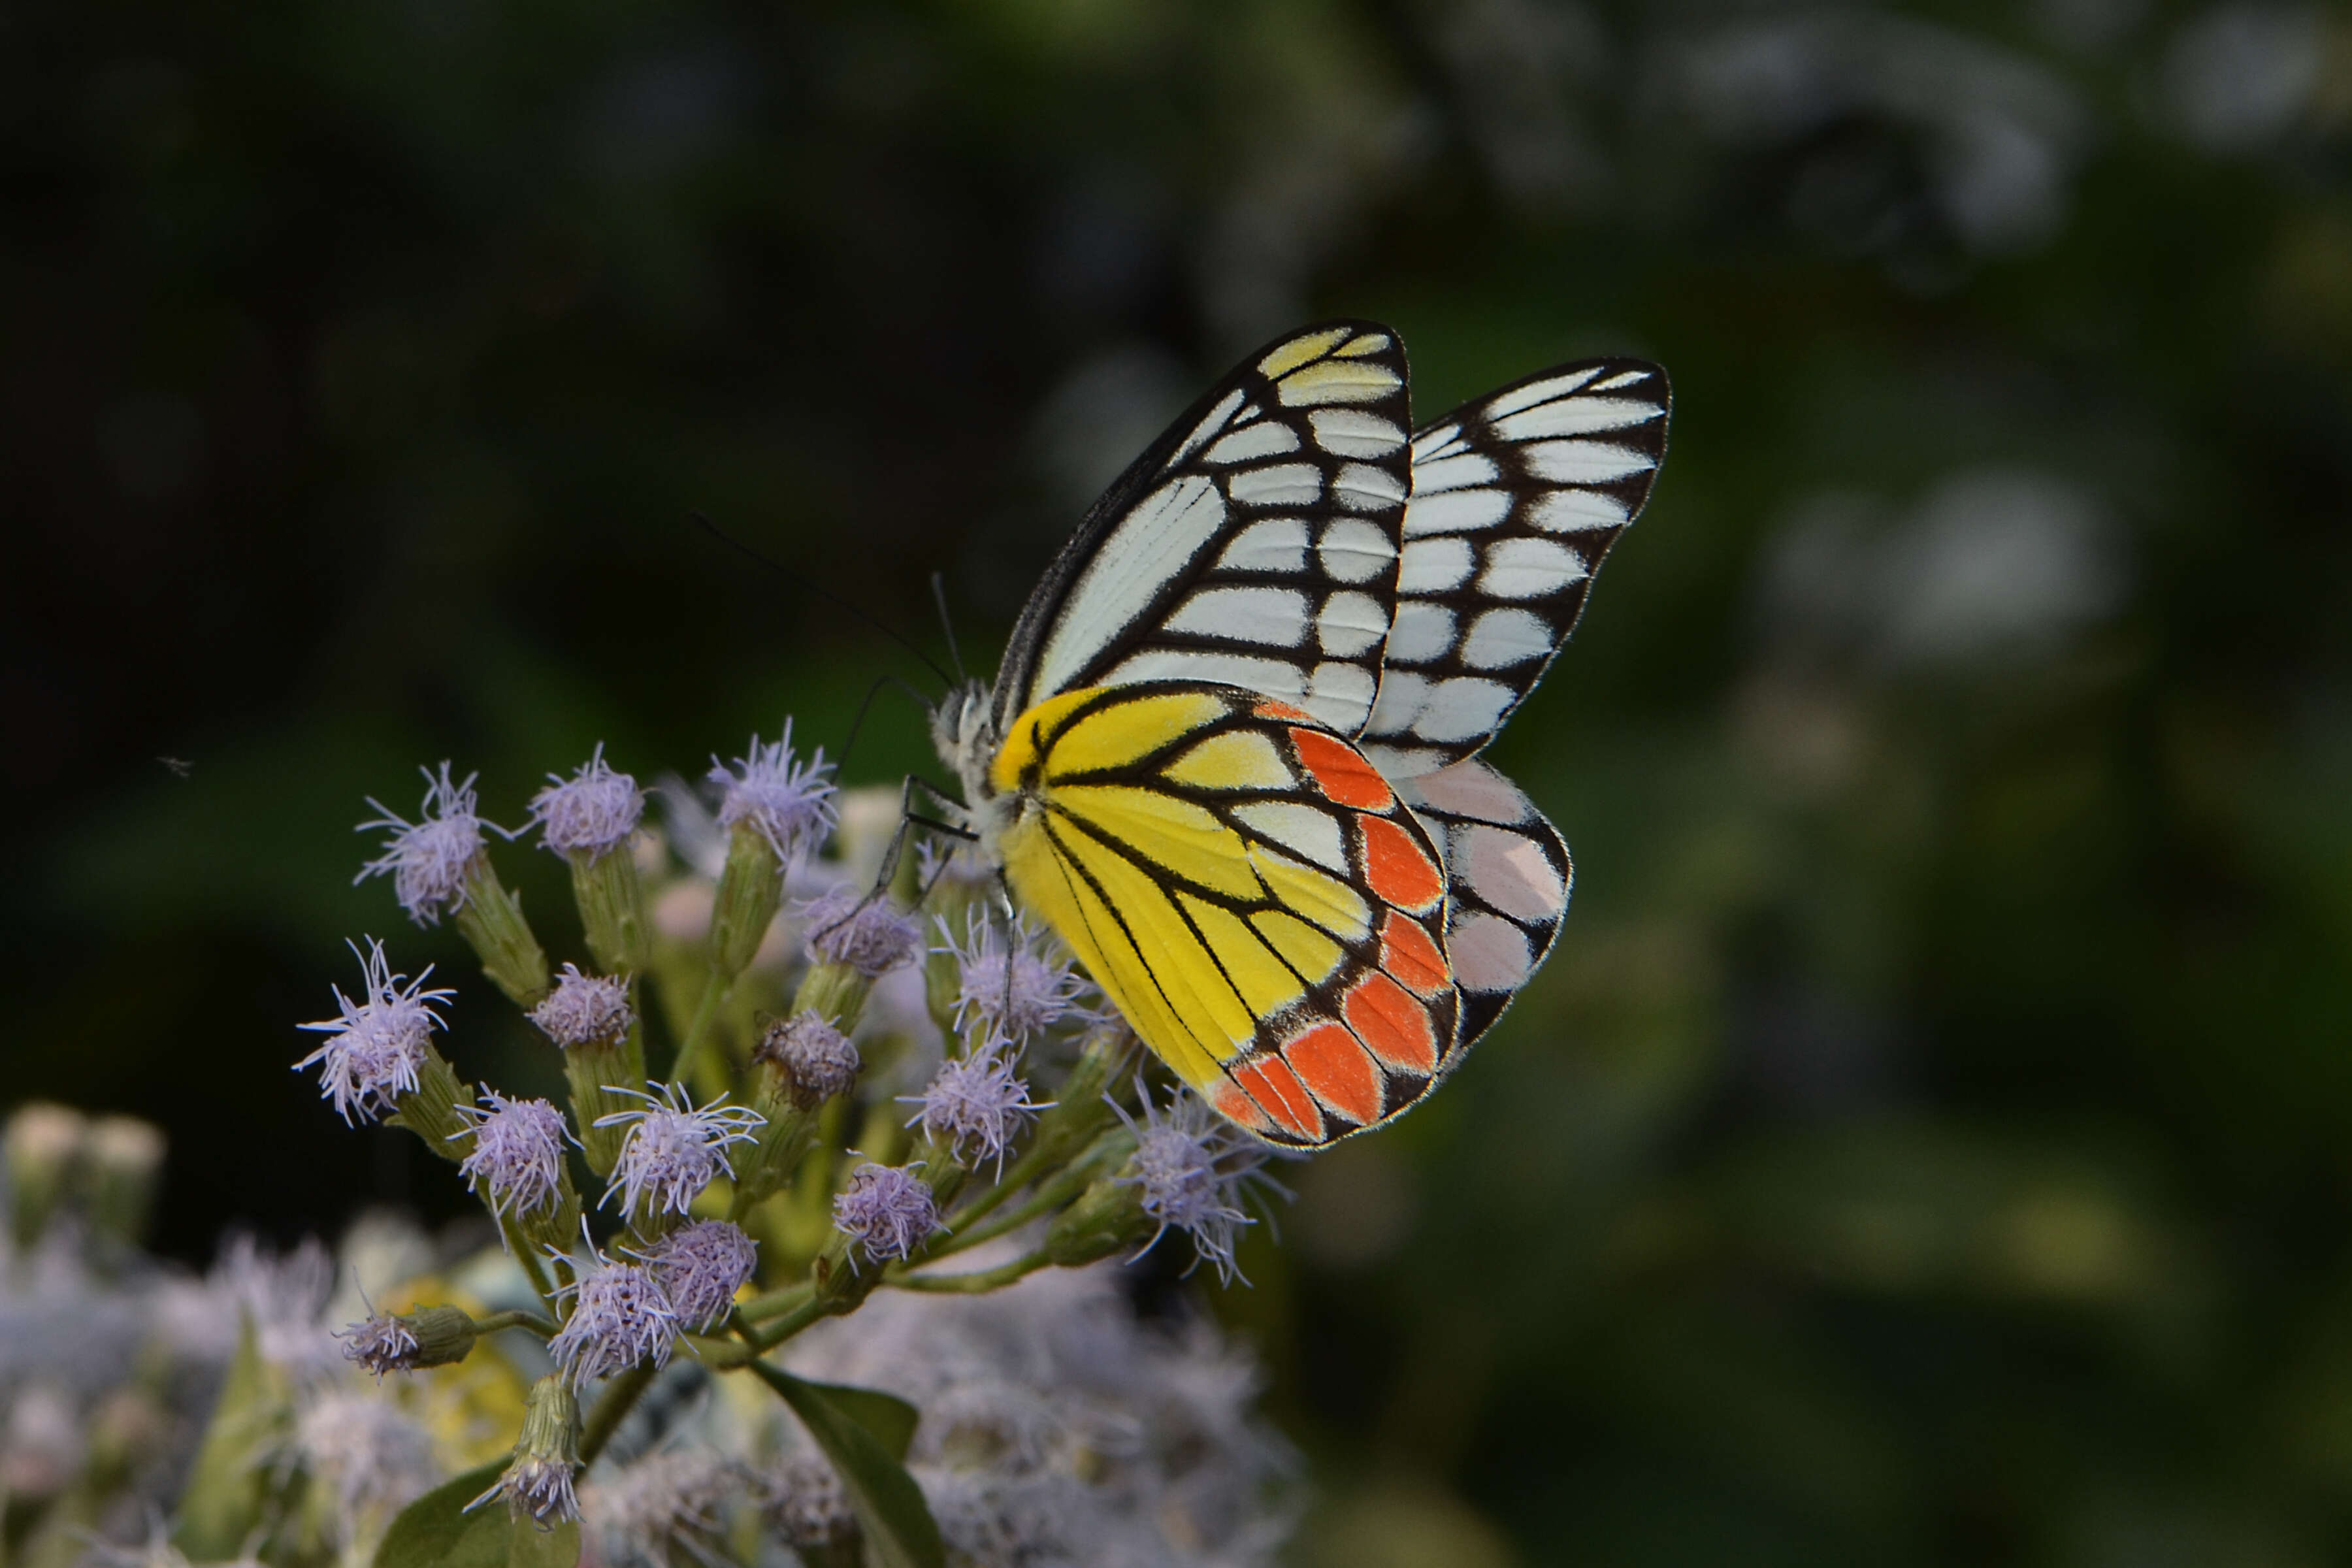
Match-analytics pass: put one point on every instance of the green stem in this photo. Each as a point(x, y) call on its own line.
point(1019, 1174)
point(620, 1396)
point(973, 1284)
point(515, 1320)
point(786, 1326)
point(528, 1256)
point(1014, 1219)
point(774, 1304)
point(706, 1011)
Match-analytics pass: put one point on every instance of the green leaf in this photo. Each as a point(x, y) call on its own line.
point(229, 1483)
point(864, 1433)
point(436, 1532)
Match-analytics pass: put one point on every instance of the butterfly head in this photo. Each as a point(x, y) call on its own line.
point(964, 732)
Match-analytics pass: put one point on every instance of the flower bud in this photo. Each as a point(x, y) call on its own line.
point(44, 1146)
point(1079, 1112)
point(585, 819)
point(538, 1485)
point(799, 1064)
point(589, 1017)
point(1108, 1218)
point(125, 1159)
point(407, 1341)
point(751, 888)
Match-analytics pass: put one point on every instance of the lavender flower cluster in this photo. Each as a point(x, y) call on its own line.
point(804, 1068)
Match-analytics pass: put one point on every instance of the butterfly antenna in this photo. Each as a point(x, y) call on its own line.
point(866, 702)
point(955, 655)
point(822, 593)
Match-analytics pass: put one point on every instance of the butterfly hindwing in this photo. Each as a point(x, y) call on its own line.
point(1508, 876)
point(1516, 497)
point(1253, 544)
point(1259, 904)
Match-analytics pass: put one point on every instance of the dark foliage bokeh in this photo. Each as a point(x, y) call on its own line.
point(1927, 1144)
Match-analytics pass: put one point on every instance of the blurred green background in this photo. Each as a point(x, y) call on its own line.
point(1929, 1143)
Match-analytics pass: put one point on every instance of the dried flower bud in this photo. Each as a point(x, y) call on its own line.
point(815, 1059)
point(585, 1010)
point(887, 1210)
point(428, 859)
point(380, 1046)
point(539, 1484)
point(804, 1497)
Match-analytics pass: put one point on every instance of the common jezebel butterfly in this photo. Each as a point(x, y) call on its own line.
point(1231, 755)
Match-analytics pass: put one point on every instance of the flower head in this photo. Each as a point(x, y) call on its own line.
point(674, 1149)
point(378, 1045)
point(663, 1508)
point(594, 810)
point(382, 1343)
point(1192, 1168)
point(701, 1266)
point(789, 803)
point(804, 1497)
point(619, 1317)
point(426, 859)
point(539, 1484)
point(886, 1209)
point(376, 1455)
point(585, 1010)
point(1005, 986)
point(976, 1105)
point(815, 1058)
point(868, 933)
point(517, 1152)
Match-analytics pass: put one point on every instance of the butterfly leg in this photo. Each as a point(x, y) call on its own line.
point(908, 819)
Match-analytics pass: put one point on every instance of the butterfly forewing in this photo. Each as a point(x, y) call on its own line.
point(1516, 499)
point(1249, 891)
point(1507, 876)
point(1253, 544)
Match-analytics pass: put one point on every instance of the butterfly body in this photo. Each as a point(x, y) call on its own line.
point(1230, 757)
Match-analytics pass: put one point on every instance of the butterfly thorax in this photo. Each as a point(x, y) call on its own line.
point(964, 732)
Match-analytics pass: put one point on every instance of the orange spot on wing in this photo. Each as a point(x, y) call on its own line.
point(1399, 869)
point(1239, 1108)
point(1386, 1018)
point(1330, 1061)
point(1408, 952)
point(1268, 708)
point(1341, 770)
point(1268, 1080)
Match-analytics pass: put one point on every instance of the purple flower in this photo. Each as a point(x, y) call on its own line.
point(585, 1010)
point(675, 1148)
point(539, 1488)
point(788, 803)
point(379, 1044)
point(517, 1152)
point(592, 812)
point(619, 1317)
point(701, 1266)
point(887, 1210)
point(426, 859)
point(976, 1105)
point(1006, 986)
point(869, 935)
point(815, 1058)
point(382, 1343)
point(1192, 1168)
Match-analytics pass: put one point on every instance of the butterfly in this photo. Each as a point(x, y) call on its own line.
point(1231, 755)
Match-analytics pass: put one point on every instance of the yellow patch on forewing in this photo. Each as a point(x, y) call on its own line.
point(1239, 759)
point(1337, 381)
point(1122, 732)
point(1326, 900)
point(1289, 356)
point(1207, 1008)
point(1164, 831)
point(1298, 944)
point(1251, 968)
